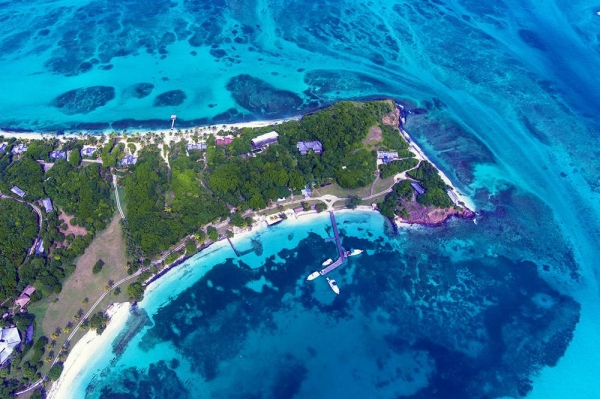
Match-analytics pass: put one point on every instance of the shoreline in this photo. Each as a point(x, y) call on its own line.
point(72, 134)
point(90, 345)
point(87, 348)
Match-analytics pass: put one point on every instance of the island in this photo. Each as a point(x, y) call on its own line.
point(91, 219)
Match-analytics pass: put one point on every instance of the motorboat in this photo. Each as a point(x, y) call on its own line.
point(313, 276)
point(333, 285)
point(356, 252)
point(327, 262)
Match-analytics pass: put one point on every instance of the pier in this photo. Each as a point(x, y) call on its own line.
point(232, 247)
point(341, 252)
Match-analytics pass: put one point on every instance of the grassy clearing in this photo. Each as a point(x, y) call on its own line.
point(121, 191)
point(58, 310)
point(334, 189)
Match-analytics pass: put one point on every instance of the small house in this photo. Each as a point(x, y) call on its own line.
point(128, 160)
point(305, 146)
point(25, 296)
point(19, 149)
point(224, 140)
point(417, 187)
point(47, 205)
point(87, 151)
point(58, 154)
point(2, 147)
point(9, 340)
point(18, 191)
point(265, 139)
point(39, 247)
point(196, 146)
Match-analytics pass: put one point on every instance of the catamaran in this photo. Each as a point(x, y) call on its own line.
point(313, 276)
point(327, 262)
point(333, 285)
point(356, 252)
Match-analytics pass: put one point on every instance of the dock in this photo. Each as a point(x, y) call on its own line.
point(232, 247)
point(341, 252)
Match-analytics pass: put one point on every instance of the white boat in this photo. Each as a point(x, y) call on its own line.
point(356, 252)
point(333, 285)
point(327, 262)
point(313, 276)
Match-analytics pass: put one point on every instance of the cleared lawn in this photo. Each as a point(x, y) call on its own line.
point(58, 310)
point(334, 189)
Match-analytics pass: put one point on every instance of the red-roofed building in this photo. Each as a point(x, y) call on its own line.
point(224, 140)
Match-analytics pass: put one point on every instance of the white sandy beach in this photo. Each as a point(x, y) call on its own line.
point(90, 346)
point(134, 132)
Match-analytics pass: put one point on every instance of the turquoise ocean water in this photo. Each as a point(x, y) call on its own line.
point(506, 308)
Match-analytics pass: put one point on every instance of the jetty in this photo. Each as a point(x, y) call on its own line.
point(341, 252)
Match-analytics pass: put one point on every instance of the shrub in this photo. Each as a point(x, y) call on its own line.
point(98, 266)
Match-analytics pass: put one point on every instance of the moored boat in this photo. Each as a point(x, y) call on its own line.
point(355, 252)
point(333, 285)
point(313, 276)
point(327, 262)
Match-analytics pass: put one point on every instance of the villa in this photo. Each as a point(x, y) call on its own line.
point(9, 340)
point(265, 139)
point(128, 160)
point(196, 146)
point(88, 151)
point(417, 187)
point(58, 155)
point(386, 156)
point(305, 146)
point(19, 149)
point(47, 205)
point(18, 191)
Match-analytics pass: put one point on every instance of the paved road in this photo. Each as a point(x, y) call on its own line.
point(114, 179)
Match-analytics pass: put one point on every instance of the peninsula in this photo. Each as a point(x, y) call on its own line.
point(84, 215)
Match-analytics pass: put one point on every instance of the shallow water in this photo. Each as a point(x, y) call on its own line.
point(510, 92)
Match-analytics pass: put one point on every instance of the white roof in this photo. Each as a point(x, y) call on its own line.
point(267, 136)
point(9, 339)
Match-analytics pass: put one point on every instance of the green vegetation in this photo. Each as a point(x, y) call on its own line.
point(98, 266)
point(190, 248)
point(55, 372)
point(27, 174)
point(435, 188)
point(18, 229)
point(395, 167)
point(82, 192)
point(136, 291)
point(98, 322)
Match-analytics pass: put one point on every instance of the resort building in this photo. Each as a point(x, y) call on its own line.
point(196, 146)
point(305, 146)
point(224, 140)
point(9, 340)
point(128, 160)
point(25, 296)
point(265, 139)
point(18, 191)
point(386, 156)
point(417, 187)
point(19, 149)
point(87, 151)
point(2, 147)
point(47, 205)
point(58, 154)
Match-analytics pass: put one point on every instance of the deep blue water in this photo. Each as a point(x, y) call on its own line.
point(509, 307)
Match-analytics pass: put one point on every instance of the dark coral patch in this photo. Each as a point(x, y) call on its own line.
point(170, 98)
point(83, 100)
point(141, 90)
point(262, 98)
